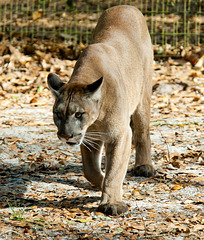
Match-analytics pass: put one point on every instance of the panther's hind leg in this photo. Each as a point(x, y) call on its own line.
point(140, 126)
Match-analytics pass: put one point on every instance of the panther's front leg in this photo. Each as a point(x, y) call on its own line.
point(117, 157)
point(91, 158)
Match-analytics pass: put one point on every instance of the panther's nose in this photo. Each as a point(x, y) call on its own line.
point(66, 137)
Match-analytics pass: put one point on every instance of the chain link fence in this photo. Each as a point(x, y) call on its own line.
point(173, 22)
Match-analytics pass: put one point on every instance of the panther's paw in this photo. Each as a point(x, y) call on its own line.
point(144, 171)
point(113, 209)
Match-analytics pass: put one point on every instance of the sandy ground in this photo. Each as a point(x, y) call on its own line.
point(43, 194)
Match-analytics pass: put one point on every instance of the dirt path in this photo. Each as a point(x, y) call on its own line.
point(43, 194)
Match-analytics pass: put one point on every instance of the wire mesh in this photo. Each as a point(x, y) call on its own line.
point(174, 22)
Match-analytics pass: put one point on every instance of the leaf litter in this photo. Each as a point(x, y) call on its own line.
point(42, 179)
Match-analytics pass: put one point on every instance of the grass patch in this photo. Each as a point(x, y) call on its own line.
point(17, 214)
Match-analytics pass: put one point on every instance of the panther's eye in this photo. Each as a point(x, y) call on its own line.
point(59, 115)
point(78, 115)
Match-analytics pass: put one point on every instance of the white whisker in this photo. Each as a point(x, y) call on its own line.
point(94, 139)
point(97, 135)
point(94, 132)
point(91, 144)
point(86, 146)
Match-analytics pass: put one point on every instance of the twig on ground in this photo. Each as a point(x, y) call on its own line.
point(167, 147)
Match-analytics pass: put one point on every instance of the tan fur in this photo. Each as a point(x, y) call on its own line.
point(121, 53)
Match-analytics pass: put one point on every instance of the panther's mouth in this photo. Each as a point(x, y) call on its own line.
point(73, 143)
point(71, 140)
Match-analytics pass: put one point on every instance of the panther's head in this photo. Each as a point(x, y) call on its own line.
point(76, 107)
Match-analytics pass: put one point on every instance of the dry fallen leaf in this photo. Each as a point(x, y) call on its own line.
point(177, 187)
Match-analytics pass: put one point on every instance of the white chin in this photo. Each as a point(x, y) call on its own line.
point(62, 140)
point(78, 142)
point(74, 147)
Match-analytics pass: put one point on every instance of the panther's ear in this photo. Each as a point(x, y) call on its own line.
point(54, 83)
point(94, 89)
